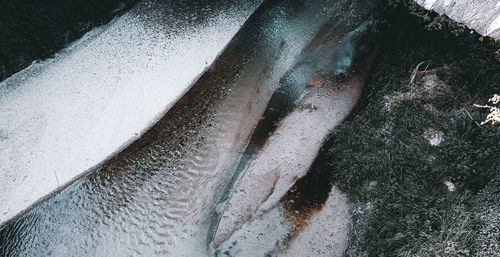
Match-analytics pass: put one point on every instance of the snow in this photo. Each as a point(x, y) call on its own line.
point(63, 116)
point(449, 185)
point(495, 25)
point(260, 237)
point(296, 142)
point(290, 151)
point(327, 232)
point(482, 16)
point(429, 3)
point(434, 137)
point(271, 234)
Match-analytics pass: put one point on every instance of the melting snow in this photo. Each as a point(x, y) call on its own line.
point(62, 116)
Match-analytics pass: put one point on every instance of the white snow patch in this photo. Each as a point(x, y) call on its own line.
point(434, 137)
point(429, 3)
point(448, 2)
point(495, 24)
point(270, 234)
point(259, 237)
point(450, 185)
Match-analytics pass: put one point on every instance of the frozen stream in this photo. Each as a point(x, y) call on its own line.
point(162, 195)
point(62, 116)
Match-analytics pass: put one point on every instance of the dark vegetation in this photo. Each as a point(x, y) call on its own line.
point(36, 29)
point(414, 213)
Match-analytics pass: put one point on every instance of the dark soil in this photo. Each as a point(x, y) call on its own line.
point(36, 29)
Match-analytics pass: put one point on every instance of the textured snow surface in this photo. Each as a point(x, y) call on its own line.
point(480, 15)
point(259, 237)
point(292, 148)
point(271, 234)
point(62, 116)
point(327, 232)
point(287, 156)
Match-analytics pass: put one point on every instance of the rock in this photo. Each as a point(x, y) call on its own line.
point(481, 16)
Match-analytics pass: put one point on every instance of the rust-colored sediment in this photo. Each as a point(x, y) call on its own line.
point(316, 80)
point(307, 196)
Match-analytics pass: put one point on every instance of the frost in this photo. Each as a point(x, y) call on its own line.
point(434, 137)
point(450, 185)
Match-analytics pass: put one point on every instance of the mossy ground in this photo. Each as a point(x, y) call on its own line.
point(414, 213)
point(32, 30)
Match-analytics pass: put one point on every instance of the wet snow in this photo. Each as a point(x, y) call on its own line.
point(62, 116)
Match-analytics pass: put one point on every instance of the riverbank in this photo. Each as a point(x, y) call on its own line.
point(413, 159)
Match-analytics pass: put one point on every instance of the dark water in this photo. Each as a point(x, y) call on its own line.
point(160, 195)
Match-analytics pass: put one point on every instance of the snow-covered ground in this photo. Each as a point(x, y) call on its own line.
point(292, 148)
point(159, 196)
point(62, 116)
point(327, 231)
point(271, 234)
